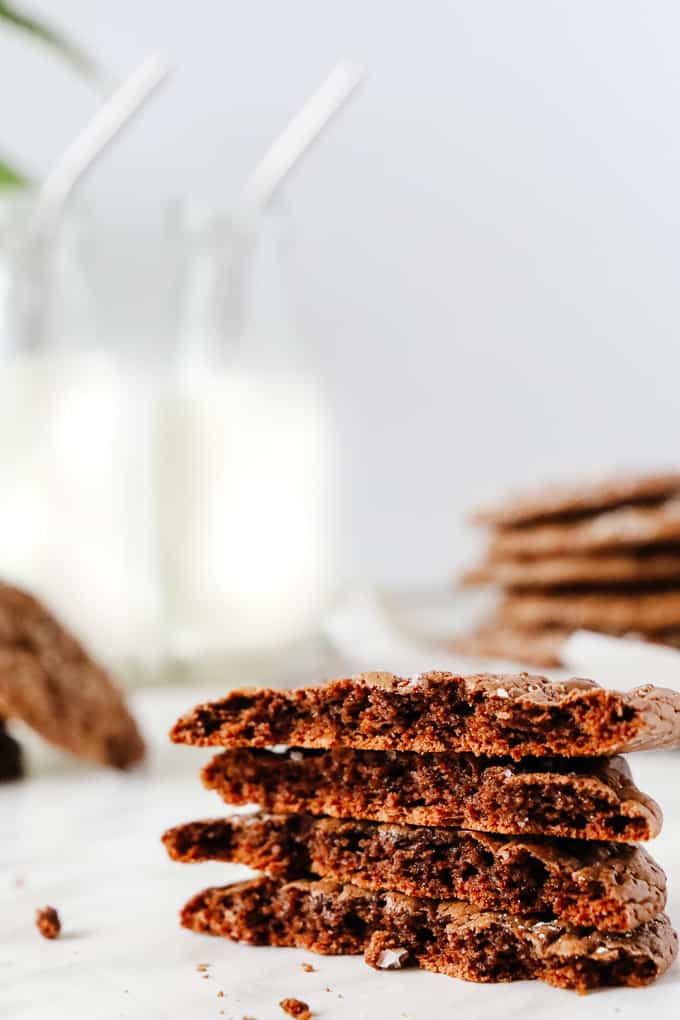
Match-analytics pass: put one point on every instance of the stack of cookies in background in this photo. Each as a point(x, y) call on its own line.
point(603, 557)
point(484, 827)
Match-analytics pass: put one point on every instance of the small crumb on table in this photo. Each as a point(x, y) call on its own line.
point(307, 967)
point(296, 1008)
point(47, 922)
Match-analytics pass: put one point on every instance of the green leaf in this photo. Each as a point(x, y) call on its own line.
point(52, 38)
point(10, 177)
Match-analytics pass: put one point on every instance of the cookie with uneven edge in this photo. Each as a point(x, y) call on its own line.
point(559, 501)
point(49, 681)
point(624, 568)
point(609, 886)
point(495, 640)
point(615, 612)
point(515, 714)
point(449, 937)
point(580, 798)
point(629, 527)
point(541, 646)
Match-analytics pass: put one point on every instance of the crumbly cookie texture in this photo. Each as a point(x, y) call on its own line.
point(50, 682)
point(395, 931)
point(578, 798)
point(626, 528)
point(570, 500)
point(513, 714)
point(608, 886)
point(614, 612)
point(624, 568)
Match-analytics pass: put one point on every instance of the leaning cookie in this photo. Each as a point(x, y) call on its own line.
point(49, 681)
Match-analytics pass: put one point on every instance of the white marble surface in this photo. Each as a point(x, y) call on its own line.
point(87, 842)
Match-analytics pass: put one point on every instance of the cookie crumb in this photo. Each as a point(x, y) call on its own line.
point(307, 967)
point(202, 967)
point(47, 922)
point(220, 994)
point(296, 1008)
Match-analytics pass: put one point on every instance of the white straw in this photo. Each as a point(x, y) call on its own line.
point(78, 157)
point(302, 131)
point(90, 143)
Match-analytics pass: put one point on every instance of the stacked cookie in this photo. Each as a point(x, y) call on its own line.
point(602, 557)
point(484, 827)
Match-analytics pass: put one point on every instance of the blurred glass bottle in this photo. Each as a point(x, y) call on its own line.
point(245, 460)
point(74, 445)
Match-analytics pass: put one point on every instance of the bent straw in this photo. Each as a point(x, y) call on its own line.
point(66, 174)
point(301, 132)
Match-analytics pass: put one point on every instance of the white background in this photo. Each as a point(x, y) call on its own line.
point(486, 246)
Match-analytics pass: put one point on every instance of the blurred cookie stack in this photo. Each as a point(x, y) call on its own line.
point(603, 557)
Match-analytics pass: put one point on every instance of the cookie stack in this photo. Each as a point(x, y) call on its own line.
point(484, 827)
point(602, 557)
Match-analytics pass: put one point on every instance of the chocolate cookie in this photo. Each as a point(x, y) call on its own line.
point(613, 612)
point(539, 646)
point(578, 798)
point(50, 682)
point(496, 640)
point(448, 937)
point(609, 886)
point(559, 501)
point(517, 715)
point(626, 528)
point(625, 568)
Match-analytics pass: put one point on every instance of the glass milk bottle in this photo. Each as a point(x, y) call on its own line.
point(74, 467)
point(245, 462)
